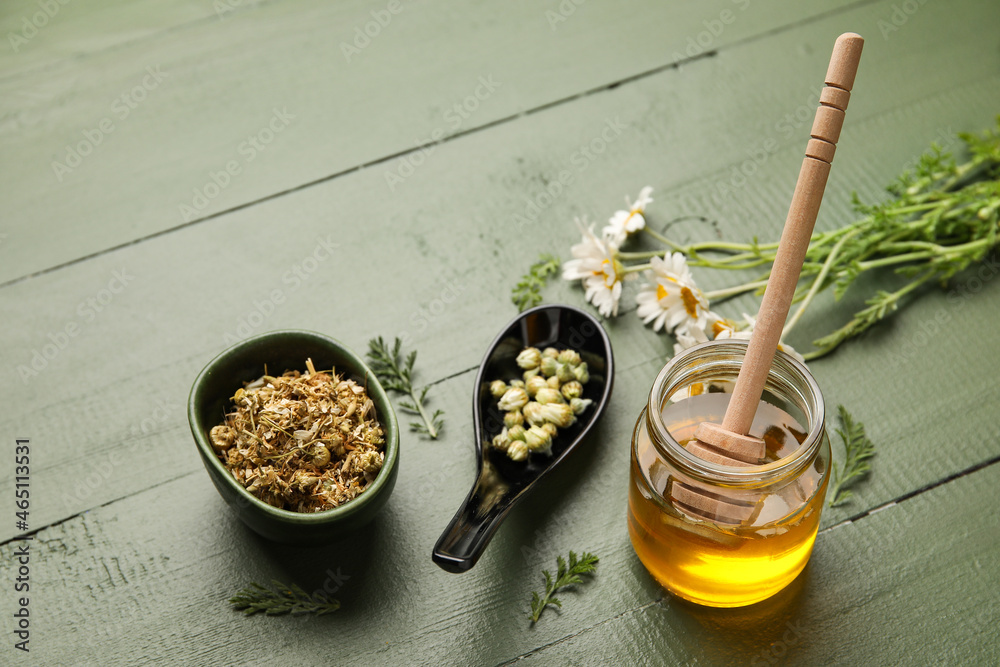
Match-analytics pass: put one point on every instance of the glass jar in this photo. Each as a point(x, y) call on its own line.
point(756, 531)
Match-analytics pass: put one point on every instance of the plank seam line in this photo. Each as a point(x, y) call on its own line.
point(916, 492)
point(499, 121)
point(32, 533)
point(580, 632)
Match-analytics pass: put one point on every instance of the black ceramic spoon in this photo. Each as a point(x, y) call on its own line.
point(501, 482)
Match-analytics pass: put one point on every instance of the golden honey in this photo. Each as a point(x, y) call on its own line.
point(714, 559)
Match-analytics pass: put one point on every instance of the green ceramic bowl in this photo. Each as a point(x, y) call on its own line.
point(282, 351)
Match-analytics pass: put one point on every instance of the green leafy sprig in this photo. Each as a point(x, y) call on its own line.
point(859, 450)
point(281, 599)
point(565, 576)
point(396, 374)
point(526, 293)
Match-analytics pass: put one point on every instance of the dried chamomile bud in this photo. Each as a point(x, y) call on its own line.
point(534, 384)
point(517, 383)
point(528, 374)
point(581, 373)
point(303, 480)
point(498, 388)
point(222, 437)
point(529, 358)
point(571, 357)
point(565, 373)
point(548, 395)
point(554, 382)
point(518, 450)
point(502, 440)
point(571, 390)
point(533, 414)
point(550, 428)
point(549, 366)
point(319, 455)
point(578, 405)
point(550, 352)
point(514, 399)
point(559, 414)
point(513, 418)
point(515, 433)
point(537, 439)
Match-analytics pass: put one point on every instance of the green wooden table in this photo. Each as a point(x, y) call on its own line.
point(179, 175)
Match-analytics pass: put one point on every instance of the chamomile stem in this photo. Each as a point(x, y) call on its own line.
point(733, 291)
point(431, 431)
point(663, 239)
point(635, 268)
point(818, 282)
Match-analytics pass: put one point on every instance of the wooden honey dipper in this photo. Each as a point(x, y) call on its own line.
point(729, 443)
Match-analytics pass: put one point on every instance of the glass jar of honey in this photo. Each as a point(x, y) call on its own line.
point(757, 532)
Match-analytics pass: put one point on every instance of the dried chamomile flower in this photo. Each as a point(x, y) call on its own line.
point(537, 439)
point(550, 352)
point(498, 388)
point(516, 433)
point(222, 437)
point(572, 389)
point(529, 358)
point(550, 428)
point(554, 382)
point(559, 414)
point(549, 366)
point(513, 418)
point(578, 405)
point(517, 383)
point(534, 384)
point(518, 450)
point(533, 414)
point(571, 357)
point(566, 373)
point(514, 399)
point(304, 442)
point(528, 374)
point(502, 440)
point(548, 395)
point(581, 373)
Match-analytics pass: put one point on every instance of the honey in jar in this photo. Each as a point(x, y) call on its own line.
point(762, 534)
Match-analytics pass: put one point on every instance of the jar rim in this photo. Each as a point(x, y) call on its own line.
point(783, 368)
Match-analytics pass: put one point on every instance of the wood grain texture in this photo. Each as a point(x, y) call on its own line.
point(138, 355)
point(224, 79)
point(139, 551)
point(877, 591)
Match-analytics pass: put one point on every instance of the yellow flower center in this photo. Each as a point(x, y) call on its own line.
point(690, 302)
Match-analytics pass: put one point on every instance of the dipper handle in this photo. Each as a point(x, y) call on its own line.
point(795, 237)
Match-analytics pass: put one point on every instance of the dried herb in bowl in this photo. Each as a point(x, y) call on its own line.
point(304, 442)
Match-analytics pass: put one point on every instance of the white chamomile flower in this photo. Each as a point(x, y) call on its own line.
point(623, 223)
point(729, 330)
point(596, 265)
point(672, 299)
point(688, 337)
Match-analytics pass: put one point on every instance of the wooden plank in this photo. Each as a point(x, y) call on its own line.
point(157, 158)
point(111, 398)
point(151, 573)
point(913, 584)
